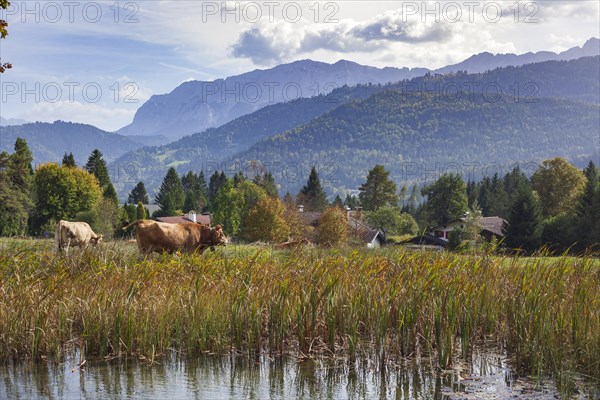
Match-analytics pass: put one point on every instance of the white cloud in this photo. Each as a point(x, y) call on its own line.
point(279, 41)
point(105, 118)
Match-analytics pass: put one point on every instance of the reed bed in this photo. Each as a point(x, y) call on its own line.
point(109, 302)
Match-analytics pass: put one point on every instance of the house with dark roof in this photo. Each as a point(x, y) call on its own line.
point(490, 227)
point(439, 235)
point(192, 216)
point(358, 229)
point(425, 241)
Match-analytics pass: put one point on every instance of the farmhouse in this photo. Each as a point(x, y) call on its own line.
point(372, 237)
point(192, 216)
point(357, 228)
point(438, 236)
point(490, 227)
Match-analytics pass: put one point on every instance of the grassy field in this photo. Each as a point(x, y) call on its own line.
point(110, 302)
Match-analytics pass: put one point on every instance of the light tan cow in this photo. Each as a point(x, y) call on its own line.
point(74, 234)
point(164, 237)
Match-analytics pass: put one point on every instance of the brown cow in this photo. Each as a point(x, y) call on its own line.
point(164, 237)
point(74, 234)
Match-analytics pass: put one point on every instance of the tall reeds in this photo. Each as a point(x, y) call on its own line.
point(544, 311)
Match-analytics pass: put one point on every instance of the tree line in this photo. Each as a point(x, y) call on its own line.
point(558, 206)
point(31, 202)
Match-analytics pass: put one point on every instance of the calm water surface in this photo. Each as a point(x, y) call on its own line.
point(486, 376)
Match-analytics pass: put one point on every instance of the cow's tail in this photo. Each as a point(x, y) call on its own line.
point(134, 223)
point(58, 237)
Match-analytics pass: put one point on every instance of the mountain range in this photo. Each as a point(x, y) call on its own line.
point(11, 121)
point(49, 141)
point(217, 148)
point(487, 61)
point(196, 105)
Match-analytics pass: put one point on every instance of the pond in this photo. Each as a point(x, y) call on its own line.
point(485, 376)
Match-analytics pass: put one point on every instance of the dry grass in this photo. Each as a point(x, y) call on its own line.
point(112, 303)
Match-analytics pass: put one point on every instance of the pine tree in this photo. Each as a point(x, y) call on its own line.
point(13, 214)
point(378, 191)
point(351, 202)
point(217, 181)
point(588, 210)
point(403, 196)
point(97, 167)
point(138, 194)
point(68, 160)
point(128, 213)
point(111, 194)
point(498, 205)
point(337, 202)
point(312, 195)
point(267, 182)
point(189, 181)
point(525, 222)
point(514, 182)
point(485, 195)
point(202, 186)
point(15, 189)
point(140, 211)
point(472, 192)
point(191, 202)
point(238, 179)
point(170, 196)
point(195, 196)
point(21, 172)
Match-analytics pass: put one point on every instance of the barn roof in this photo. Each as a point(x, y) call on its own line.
point(426, 239)
point(310, 217)
point(492, 224)
point(365, 232)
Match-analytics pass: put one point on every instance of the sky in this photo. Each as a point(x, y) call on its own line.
point(97, 62)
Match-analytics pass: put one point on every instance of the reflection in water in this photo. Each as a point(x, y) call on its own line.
point(486, 376)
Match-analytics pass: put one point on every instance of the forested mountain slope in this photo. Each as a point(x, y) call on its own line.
point(417, 136)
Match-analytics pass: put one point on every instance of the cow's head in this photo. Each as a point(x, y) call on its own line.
point(218, 237)
point(96, 240)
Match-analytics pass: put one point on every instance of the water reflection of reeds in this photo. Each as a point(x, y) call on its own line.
point(487, 375)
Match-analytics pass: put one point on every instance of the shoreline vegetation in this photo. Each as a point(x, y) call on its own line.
point(111, 303)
